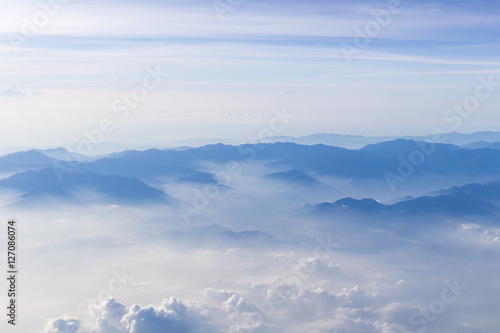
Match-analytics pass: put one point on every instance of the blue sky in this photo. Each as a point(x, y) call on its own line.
point(227, 75)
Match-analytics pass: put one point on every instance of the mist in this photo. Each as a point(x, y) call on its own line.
point(256, 246)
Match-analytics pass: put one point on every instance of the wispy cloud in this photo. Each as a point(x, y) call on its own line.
point(258, 45)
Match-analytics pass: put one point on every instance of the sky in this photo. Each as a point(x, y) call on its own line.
point(65, 67)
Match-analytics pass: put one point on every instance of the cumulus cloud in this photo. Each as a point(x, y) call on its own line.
point(270, 307)
point(314, 264)
point(113, 317)
point(62, 325)
point(171, 316)
point(107, 316)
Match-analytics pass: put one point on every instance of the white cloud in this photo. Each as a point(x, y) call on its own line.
point(62, 325)
point(481, 234)
point(107, 316)
point(113, 317)
point(274, 307)
point(11, 89)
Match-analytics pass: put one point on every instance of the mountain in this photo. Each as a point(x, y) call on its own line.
point(450, 205)
point(374, 161)
point(359, 141)
point(183, 165)
point(458, 204)
point(371, 162)
point(366, 205)
point(149, 164)
point(294, 176)
point(39, 186)
point(213, 236)
point(489, 192)
point(338, 140)
point(24, 160)
point(483, 145)
point(62, 154)
point(136, 168)
point(401, 146)
point(466, 138)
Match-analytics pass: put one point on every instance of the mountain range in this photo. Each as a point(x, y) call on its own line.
point(470, 199)
point(143, 177)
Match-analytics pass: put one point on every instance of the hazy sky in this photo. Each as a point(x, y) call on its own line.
point(230, 69)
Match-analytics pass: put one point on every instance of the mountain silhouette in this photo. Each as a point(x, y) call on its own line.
point(37, 186)
point(294, 176)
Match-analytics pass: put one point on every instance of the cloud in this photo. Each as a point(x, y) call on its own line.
point(113, 317)
point(62, 325)
point(171, 316)
point(284, 307)
point(481, 234)
point(11, 90)
point(108, 315)
point(384, 277)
